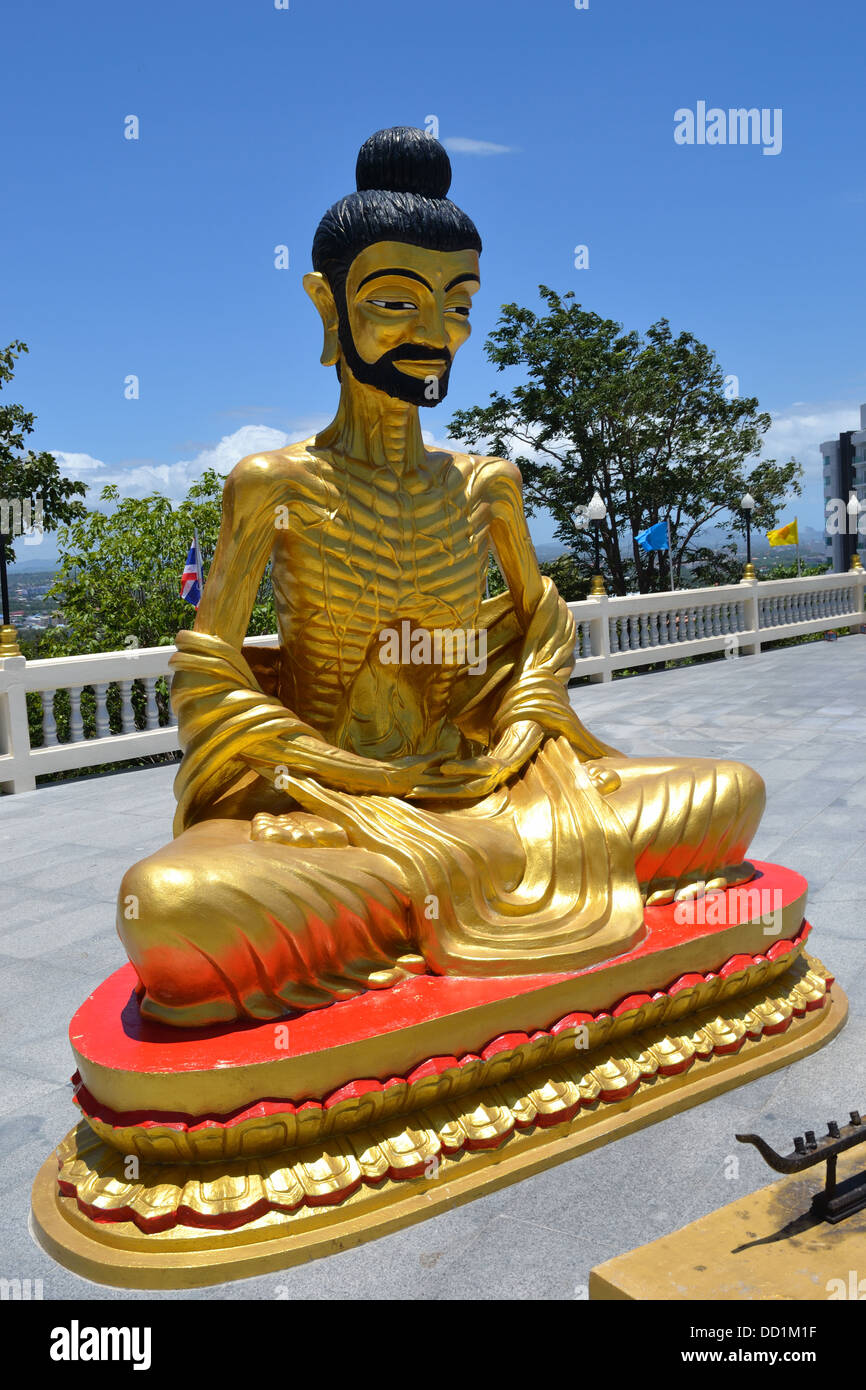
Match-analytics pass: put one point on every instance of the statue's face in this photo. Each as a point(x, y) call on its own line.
point(408, 312)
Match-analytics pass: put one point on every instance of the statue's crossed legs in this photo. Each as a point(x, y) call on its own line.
point(253, 918)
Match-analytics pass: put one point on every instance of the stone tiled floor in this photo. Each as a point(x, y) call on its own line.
point(794, 714)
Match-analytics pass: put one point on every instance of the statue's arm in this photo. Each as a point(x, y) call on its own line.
point(535, 701)
point(246, 537)
point(509, 533)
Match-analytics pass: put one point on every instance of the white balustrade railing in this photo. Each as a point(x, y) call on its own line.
point(616, 634)
point(124, 694)
point(127, 689)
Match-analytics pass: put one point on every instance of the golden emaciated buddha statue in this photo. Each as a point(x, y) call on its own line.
point(351, 811)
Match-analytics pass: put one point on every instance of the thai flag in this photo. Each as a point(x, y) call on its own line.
point(190, 580)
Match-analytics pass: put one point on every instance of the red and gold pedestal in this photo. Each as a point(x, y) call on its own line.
point(236, 1150)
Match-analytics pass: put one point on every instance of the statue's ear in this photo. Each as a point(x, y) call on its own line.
point(322, 296)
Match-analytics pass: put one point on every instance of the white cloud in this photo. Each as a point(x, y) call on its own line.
point(174, 479)
point(801, 429)
point(73, 465)
point(458, 144)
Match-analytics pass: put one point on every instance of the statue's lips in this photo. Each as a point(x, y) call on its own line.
point(421, 367)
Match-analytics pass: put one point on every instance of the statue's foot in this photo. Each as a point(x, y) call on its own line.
point(686, 889)
point(409, 964)
point(298, 828)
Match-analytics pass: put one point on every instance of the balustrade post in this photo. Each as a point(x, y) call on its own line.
point(16, 774)
point(858, 590)
point(750, 641)
point(600, 635)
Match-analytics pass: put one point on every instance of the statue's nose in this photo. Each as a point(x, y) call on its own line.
point(430, 330)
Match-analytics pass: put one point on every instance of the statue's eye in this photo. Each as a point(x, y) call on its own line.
point(462, 309)
point(401, 304)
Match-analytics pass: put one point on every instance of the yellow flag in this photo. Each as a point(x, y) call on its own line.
point(785, 535)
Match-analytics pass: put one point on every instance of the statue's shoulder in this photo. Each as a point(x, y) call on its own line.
point(276, 469)
point(487, 476)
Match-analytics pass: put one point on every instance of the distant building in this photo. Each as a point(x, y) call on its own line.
point(844, 473)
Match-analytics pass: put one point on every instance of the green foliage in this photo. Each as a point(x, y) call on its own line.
point(789, 571)
point(25, 475)
point(572, 582)
point(118, 583)
point(709, 567)
point(495, 578)
point(646, 420)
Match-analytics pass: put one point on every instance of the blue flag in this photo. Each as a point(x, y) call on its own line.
point(654, 537)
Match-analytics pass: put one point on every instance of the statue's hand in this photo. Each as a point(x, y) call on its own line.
point(471, 777)
point(344, 771)
point(401, 776)
point(351, 772)
point(518, 743)
point(462, 777)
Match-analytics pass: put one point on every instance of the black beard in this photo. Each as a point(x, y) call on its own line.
point(386, 377)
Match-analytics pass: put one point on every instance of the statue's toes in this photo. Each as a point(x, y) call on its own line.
point(696, 889)
point(736, 874)
point(660, 894)
point(300, 829)
point(663, 891)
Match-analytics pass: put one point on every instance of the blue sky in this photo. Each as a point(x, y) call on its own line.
point(155, 257)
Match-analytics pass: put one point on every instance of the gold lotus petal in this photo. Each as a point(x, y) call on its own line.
point(670, 1051)
point(555, 1095)
point(280, 1181)
point(589, 1088)
point(371, 1160)
point(155, 1198)
point(394, 1099)
point(448, 1124)
point(617, 1073)
point(773, 1011)
point(308, 1126)
point(486, 1122)
point(725, 1032)
point(361, 1112)
point(410, 1148)
point(269, 1137)
point(326, 1173)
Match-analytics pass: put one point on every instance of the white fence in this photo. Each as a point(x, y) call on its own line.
point(616, 634)
point(113, 706)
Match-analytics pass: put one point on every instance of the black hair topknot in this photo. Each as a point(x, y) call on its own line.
point(403, 176)
point(403, 160)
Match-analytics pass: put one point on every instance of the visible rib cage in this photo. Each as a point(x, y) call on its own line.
point(366, 550)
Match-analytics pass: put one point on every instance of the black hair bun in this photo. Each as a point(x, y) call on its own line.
point(403, 160)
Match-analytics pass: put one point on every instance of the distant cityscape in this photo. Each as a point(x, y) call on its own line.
point(30, 608)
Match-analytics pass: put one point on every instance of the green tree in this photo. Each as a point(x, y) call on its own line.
point(569, 576)
point(118, 582)
point(781, 570)
point(571, 582)
point(708, 566)
point(30, 481)
point(646, 420)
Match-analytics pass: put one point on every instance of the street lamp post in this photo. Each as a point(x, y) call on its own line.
point(580, 521)
point(597, 511)
point(747, 503)
point(8, 635)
